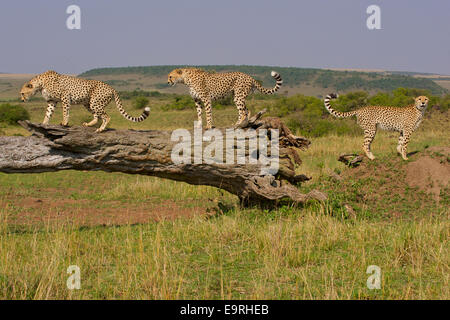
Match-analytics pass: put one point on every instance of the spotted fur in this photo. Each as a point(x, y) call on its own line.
point(403, 120)
point(93, 94)
point(206, 87)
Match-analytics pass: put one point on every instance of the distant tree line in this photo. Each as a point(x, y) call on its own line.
point(338, 80)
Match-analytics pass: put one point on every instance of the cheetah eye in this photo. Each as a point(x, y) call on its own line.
point(29, 86)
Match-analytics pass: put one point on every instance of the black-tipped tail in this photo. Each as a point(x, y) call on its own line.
point(335, 113)
point(141, 118)
point(279, 83)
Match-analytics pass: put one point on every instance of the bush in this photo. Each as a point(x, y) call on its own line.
point(141, 93)
point(182, 102)
point(444, 103)
point(350, 101)
point(10, 114)
point(311, 106)
point(311, 126)
point(140, 102)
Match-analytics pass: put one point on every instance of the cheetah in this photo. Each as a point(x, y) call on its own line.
point(403, 120)
point(93, 94)
point(205, 87)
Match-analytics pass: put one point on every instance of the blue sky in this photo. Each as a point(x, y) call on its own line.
point(310, 33)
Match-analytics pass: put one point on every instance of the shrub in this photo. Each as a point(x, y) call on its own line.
point(10, 114)
point(350, 101)
point(311, 106)
point(140, 102)
point(311, 126)
point(181, 102)
point(138, 93)
point(444, 103)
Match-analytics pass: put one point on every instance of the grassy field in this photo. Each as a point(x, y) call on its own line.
point(146, 238)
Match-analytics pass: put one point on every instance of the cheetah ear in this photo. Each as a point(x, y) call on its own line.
point(179, 71)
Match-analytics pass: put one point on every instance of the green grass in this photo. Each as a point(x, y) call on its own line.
point(316, 251)
point(287, 254)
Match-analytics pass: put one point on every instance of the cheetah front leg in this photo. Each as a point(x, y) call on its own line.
point(369, 135)
point(198, 106)
point(50, 109)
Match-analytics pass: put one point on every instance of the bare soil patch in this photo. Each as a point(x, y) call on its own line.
point(430, 172)
point(82, 212)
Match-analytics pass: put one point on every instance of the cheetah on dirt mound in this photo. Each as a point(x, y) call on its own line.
point(404, 120)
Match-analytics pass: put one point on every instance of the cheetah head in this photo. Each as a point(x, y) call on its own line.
point(176, 76)
point(29, 89)
point(421, 102)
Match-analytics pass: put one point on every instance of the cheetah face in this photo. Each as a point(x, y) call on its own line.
point(176, 76)
point(421, 102)
point(28, 90)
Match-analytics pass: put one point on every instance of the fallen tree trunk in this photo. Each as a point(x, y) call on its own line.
point(54, 148)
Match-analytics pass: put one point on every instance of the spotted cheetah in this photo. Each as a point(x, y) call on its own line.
point(93, 94)
point(205, 87)
point(404, 120)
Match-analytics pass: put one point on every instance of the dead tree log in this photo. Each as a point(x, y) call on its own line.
point(54, 148)
point(352, 160)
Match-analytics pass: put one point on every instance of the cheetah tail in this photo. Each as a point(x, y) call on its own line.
point(335, 113)
point(122, 111)
point(277, 77)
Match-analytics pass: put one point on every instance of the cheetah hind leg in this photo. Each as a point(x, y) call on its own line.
point(242, 121)
point(405, 145)
point(66, 109)
point(94, 121)
point(243, 114)
point(105, 121)
point(400, 144)
point(208, 111)
point(369, 135)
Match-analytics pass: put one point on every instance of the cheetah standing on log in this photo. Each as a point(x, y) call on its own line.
point(205, 87)
point(404, 120)
point(93, 94)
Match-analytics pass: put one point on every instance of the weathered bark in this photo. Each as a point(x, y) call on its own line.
point(54, 148)
point(351, 159)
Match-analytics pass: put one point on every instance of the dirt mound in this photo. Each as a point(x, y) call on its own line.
point(393, 187)
point(430, 172)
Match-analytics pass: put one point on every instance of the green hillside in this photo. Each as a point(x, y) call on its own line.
point(295, 77)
